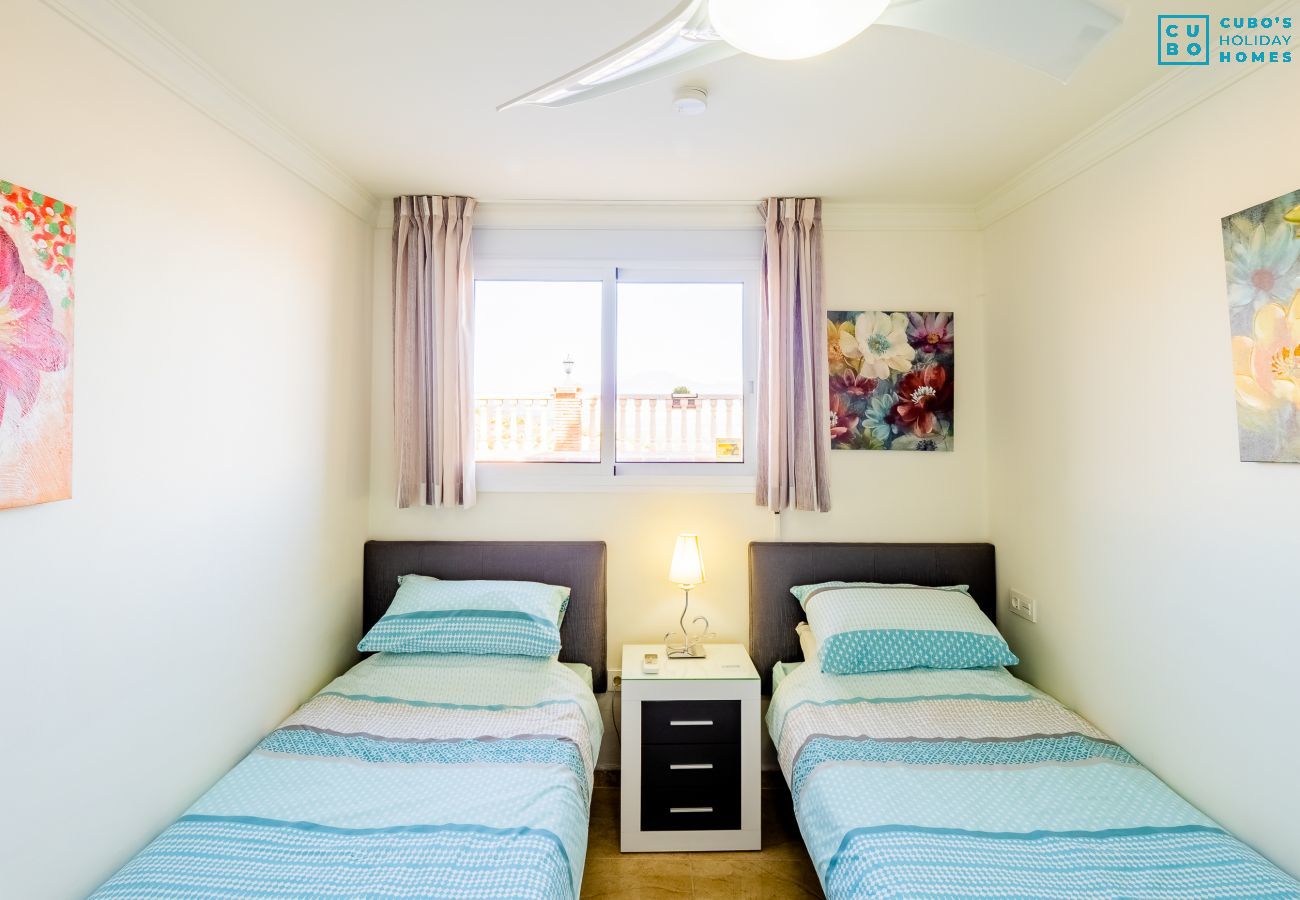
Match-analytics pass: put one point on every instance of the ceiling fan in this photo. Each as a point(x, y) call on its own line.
point(1052, 36)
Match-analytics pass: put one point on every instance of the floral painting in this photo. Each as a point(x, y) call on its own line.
point(37, 240)
point(891, 380)
point(1261, 248)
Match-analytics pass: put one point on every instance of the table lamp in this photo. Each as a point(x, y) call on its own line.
point(687, 571)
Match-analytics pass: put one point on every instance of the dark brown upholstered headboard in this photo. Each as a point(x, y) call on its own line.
point(578, 565)
point(775, 568)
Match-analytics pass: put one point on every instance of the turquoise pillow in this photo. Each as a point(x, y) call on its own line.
point(863, 627)
point(481, 618)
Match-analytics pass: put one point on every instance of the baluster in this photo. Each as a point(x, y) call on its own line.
point(668, 426)
point(527, 437)
point(713, 427)
point(636, 427)
point(519, 424)
point(730, 402)
point(498, 426)
point(530, 427)
point(539, 431)
point(517, 410)
point(645, 427)
point(520, 419)
point(683, 429)
point(621, 428)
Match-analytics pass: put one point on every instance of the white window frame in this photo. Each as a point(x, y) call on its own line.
point(609, 475)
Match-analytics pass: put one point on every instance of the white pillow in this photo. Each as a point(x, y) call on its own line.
point(807, 642)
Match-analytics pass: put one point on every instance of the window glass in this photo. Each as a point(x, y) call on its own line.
point(537, 369)
point(680, 371)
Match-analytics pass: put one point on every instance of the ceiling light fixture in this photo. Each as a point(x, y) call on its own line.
point(792, 29)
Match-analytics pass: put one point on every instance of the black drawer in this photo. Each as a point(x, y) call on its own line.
point(694, 809)
point(690, 722)
point(690, 765)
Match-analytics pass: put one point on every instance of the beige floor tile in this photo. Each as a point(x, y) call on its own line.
point(753, 879)
point(603, 834)
point(637, 877)
point(604, 804)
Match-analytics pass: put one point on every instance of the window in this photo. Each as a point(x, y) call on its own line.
point(607, 375)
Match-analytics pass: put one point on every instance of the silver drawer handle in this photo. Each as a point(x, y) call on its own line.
point(691, 722)
point(690, 765)
point(690, 809)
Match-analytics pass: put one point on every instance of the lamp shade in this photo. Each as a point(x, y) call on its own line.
point(688, 565)
point(792, 29)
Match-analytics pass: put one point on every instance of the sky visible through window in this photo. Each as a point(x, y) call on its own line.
point(524, 330)
point(669, 335)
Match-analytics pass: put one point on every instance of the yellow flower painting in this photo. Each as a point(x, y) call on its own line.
point(1261, 248)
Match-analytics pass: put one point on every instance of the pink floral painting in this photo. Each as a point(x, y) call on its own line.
point(37, 241)
point(1261, 252)
point(891, 380)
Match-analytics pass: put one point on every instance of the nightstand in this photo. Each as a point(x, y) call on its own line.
point(690, 776)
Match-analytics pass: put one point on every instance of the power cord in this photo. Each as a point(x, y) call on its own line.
point(614, 703)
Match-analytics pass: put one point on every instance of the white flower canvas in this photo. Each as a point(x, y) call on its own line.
point(1261, 249)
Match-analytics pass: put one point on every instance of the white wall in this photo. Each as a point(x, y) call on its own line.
point(1165, 569)
point(877, 496)
point(204, 578)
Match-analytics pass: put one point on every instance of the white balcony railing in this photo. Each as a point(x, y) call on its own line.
point(565, 427)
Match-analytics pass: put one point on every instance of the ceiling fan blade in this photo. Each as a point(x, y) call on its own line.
point(1052, 36)
point(681, 41)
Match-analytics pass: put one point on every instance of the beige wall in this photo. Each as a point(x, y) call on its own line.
point(203, 579)
point(1165, 569)
point(877, 496)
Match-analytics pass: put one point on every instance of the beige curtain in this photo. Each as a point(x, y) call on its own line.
point(433, 321)
point(793, 391)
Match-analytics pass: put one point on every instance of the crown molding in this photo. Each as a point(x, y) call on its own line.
point(579, 215)
point(139, 40)
point(1144, 113)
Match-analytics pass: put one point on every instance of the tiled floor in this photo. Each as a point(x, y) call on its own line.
point(779, 871)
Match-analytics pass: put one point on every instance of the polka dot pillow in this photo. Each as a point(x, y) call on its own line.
point(483, 618)
point(862, 627)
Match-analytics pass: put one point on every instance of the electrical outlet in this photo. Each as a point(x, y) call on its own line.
point(1023, 606)
point(616, 682)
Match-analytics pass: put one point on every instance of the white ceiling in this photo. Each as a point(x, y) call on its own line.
point(401, 95)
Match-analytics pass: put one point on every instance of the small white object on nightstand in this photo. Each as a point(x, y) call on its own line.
point(650, 663)
point(690, 771)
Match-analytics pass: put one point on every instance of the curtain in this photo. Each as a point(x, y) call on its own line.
point(433, 320)
point(793, 391)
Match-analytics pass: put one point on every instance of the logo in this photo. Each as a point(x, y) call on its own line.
point(1184, 40)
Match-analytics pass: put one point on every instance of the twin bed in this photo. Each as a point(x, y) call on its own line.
point(966, 782)
point(441, 774)
point(413, 774)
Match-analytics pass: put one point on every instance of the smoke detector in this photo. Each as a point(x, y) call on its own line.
point(691, 101)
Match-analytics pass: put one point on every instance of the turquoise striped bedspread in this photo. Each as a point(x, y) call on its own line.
point(412, 775)
point(971, 783)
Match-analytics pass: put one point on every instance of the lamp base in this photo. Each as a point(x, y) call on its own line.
point(690, 651)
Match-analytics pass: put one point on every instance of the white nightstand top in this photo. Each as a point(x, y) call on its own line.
point(723, 662)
